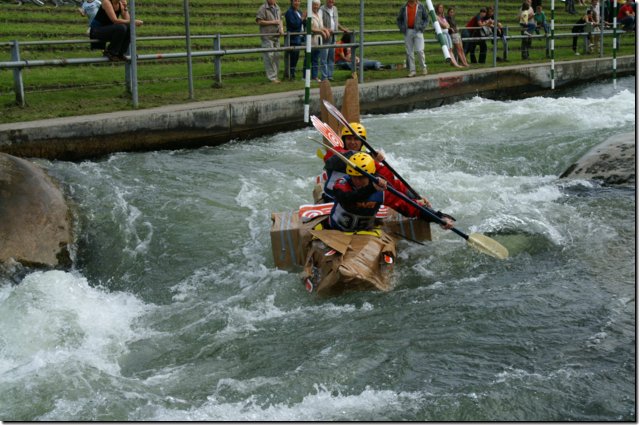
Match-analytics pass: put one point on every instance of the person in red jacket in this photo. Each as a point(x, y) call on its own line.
point(358, 198)
point(336, 168)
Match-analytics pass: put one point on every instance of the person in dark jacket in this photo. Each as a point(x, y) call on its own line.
point(111, 24)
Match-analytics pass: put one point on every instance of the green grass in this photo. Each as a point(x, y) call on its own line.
point(74, 90)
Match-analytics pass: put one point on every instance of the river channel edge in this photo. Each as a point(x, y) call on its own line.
point(213, 123)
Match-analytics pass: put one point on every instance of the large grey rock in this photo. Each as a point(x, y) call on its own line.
point(613, 162)
point(35, 221)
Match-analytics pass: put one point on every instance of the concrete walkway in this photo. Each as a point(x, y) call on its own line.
point(215, 122)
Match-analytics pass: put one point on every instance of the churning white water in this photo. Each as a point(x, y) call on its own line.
point(175, 311)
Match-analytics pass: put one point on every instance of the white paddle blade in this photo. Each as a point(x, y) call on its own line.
point(488, 246)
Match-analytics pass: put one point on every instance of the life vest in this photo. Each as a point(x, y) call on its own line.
point(331, 181)
point(357, 215)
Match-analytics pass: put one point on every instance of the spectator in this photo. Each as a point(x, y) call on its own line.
point(444, 25)
point(627, 16)
point(582, 25)
point(330, 21)
point(412, 21)
point(455, 37)
point(270, 22)
point(526, 28)
point(473, 29)
point(295, 24)
point(569, 7)
point(343, 58)
point(89, 9)
point(525, 42)
point(541, 20)
point(500, 32)
point(319, 33)
point(111, 24)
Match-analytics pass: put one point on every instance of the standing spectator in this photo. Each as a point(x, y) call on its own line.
point(330, 21)
point(472, 29)
point(528, 15)
point(455, 37)
point(319, 33)
point(581, 26)
point(111, 24)
point(444, 25)
point(526, 28)
point(627, 16)
point(569, 7)
point(295, 24)
point(412, 21)
point(270, 22)
point(89, 9)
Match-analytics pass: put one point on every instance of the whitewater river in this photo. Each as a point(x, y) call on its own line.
point(175, 311)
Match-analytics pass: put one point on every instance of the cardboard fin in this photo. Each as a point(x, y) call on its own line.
point(351, 101)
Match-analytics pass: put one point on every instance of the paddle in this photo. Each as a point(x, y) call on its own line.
point(478, 241)
point(341, 118)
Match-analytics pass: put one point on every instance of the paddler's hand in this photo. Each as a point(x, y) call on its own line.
point(381, 185)
point(380, 156)
point(448, 223)
point(424, 202)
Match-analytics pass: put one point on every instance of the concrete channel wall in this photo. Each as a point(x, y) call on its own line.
point(215, 122)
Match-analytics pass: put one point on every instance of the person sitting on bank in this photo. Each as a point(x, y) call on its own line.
point(358, 199)
point(111, 24)
point(343, 58)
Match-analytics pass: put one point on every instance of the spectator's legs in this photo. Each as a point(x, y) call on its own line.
point(270, 58)
point(628, 23)
point(118, 36)
point(419, 46)
point(471, 50)
point(294, 55)
point(315, 59)
point(327, 60)
point(524, 45)
point(483, 52)
point(409, 40)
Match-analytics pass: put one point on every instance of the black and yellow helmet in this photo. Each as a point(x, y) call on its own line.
point(362, 160)
point(359, 129)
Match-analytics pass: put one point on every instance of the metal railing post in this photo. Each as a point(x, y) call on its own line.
point(134, 54)
point(187, 30)
point(18, 83)
point(287, 56)
point(217, 62)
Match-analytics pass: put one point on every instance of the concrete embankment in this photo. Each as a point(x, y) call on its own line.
point(215, 122)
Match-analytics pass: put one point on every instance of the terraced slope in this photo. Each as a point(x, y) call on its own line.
point(164, 81)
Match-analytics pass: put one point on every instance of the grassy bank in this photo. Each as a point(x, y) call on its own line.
point(59, 91)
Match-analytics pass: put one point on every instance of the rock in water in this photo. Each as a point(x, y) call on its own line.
point(35, 221)
point(613, 162)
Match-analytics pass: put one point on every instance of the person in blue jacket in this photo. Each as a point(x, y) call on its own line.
point(295, 24)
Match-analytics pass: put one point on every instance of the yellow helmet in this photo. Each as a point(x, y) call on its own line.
point(362, 160)
point(359, 129)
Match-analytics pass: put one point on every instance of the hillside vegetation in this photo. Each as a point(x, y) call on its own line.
point(72, 90)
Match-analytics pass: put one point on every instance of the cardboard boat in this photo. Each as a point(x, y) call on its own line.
point(333, 261)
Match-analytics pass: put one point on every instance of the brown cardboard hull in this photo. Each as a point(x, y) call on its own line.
point(336, 261)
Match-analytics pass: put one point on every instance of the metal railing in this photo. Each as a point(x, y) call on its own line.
point(217, 53)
